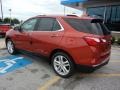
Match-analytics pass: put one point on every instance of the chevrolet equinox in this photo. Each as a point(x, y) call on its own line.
point(68, 41)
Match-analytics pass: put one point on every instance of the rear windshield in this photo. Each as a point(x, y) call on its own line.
point(94, 26)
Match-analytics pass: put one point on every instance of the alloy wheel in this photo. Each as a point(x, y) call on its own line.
point(10, 47)
point(61, 65)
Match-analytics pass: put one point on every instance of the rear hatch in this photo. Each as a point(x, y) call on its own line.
point(102, 32)
point(96, 35)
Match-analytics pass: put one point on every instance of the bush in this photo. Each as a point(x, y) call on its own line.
point(118, 41)
point(113, 40)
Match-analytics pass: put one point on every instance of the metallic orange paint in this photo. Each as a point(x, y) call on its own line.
point(68, 40)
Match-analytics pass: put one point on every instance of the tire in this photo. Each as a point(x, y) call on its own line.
point(11, 47)
point(2, 36)
point(63, 65)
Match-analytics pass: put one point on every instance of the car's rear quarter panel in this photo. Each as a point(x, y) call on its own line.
point(74, 44)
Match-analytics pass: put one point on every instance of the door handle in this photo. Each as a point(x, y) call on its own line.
point(18, 35)
point(54, 35)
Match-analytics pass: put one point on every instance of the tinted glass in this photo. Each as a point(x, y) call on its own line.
point(88, 26)
point(113, 14)
point(108, 14)
point(48, 24)
point(118, 14)
point(96, 11)
point(29, 25)
point(56, 26)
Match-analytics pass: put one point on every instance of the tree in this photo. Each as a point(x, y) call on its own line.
point(15, 21)
point(6, 20)
point(1, 21)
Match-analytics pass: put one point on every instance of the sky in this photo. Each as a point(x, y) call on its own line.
point(24, 9)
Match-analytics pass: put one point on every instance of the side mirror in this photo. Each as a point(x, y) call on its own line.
point(18, 28)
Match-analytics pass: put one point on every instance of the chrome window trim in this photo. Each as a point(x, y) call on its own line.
point(60, 26)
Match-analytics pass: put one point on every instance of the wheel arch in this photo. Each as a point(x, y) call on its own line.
point(61, 50)
point(6, 39)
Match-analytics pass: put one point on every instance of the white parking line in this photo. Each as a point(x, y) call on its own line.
point(2, 45)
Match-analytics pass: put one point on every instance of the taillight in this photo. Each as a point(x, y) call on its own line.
point(92, 41)
point(104, 40)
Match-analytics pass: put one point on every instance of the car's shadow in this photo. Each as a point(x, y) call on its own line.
point(42, 60)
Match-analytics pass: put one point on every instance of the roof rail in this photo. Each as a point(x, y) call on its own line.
point(72, 15)
point(41, 15)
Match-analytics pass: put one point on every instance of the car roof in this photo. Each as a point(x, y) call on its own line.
point(62, 16)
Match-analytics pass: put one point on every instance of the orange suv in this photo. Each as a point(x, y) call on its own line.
point(67, 40)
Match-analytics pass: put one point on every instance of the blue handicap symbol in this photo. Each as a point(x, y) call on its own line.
point(10, 63)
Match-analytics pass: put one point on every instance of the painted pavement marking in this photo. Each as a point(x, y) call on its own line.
point(10, 63)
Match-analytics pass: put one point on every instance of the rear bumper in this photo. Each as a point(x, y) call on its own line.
point(92, 68)
point(102, 63)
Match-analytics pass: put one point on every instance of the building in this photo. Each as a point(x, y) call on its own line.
point(109, 10)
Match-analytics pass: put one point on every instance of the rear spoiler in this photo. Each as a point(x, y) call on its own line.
point(97, 21)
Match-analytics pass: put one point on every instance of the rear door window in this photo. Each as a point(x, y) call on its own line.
point(48, 24)
point(88, 26)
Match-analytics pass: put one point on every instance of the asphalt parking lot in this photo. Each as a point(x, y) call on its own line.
point(35, 73)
